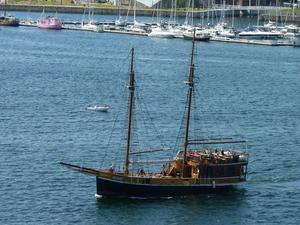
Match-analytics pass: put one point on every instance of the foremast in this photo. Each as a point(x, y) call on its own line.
point(130, 112)
point(190, 83)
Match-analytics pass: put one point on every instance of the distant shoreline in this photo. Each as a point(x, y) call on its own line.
point(105, 10)
point(80, 9)
point(140, 12)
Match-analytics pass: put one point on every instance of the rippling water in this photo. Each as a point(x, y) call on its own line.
point(47, 78)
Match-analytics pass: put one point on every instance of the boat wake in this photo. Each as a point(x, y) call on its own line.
point(98, 196)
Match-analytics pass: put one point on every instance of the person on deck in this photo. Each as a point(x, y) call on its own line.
point(111, 168)
point(142, 172)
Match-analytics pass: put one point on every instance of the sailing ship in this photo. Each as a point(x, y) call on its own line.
point(8, 20)
point(190, 172)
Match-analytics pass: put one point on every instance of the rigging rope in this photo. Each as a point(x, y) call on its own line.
point(107, 147)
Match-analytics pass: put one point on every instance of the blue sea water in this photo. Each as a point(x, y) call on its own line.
point(47, 78)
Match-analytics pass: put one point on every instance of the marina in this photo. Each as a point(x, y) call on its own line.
point(110, 27)
point(211, 25)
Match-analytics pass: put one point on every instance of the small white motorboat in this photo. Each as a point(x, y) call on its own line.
point(90, 27)
point(100, 108)
point(159, 32)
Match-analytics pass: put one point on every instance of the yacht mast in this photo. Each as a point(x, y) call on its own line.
point(258, 6)
point(134, 9)
point(131, 99)
point(190, 82)
point(293, 11)
point(192, 22)
point(175, 8)
point(5, 8)
point(232, 19)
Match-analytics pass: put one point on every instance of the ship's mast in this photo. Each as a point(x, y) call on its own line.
point(131, 99)
point(190, 83)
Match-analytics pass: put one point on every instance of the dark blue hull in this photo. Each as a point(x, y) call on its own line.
point(107, 187)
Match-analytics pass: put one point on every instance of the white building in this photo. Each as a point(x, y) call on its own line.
point(148, 3)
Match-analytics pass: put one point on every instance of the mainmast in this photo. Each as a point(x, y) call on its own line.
point(190, 82)
point(131, 99)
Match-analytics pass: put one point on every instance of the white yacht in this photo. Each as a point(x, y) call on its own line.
point(259, 34)
point(90, 25)
point(200, 35)
point(138, 24)
point(120, 21)
point(289, 31)
point(222, 30)
point(176, 31)
point(270, 26)
point(160, 32)
point(135, 29)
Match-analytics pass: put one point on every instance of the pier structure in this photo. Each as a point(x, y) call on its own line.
point(110, 27)
point(72, 25)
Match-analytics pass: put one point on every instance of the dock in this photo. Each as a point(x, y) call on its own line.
point(108, 27)
point(254, 42)
point(125, 32)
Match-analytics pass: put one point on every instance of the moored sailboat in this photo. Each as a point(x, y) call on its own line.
point(191, 171)
point(90, 25)
point(120, 21)
point(8, 20)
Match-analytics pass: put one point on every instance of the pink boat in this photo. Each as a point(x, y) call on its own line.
point(49, 23)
